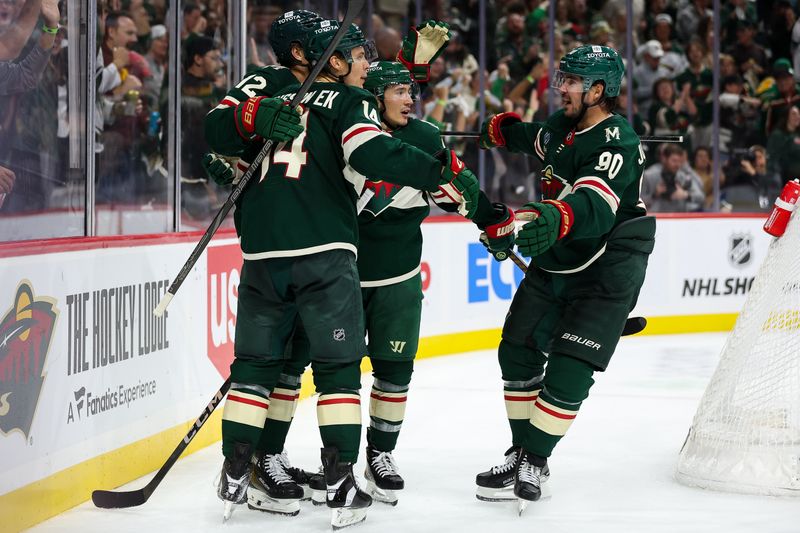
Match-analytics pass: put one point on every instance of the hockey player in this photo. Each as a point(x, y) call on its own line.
point(307, 268)
point(589, 239)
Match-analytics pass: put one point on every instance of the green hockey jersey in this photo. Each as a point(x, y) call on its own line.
point(302, 199)
point(390, 246)
point(597, 171)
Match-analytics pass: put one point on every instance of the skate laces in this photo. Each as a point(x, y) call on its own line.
point(275, 468)
point(528, 472)
point(510, 464)
point(384, 464)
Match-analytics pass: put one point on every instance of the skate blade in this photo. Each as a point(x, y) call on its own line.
point(227, 511)
point(522, 505)
point(319, 497)
point(344, 517)
point(264, 503)
point(307, 493)
point(381, 495)
point(486, 494)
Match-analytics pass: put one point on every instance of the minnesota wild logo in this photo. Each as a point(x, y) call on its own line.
point(552, 185)
point(384, 194)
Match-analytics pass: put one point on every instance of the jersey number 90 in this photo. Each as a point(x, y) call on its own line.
point(611, 163)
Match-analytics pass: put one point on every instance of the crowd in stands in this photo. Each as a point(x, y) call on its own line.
point(759, 139)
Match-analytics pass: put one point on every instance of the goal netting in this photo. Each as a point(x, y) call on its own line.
point(745, 436)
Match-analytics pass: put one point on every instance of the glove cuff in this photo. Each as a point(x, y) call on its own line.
point(245, 117)
point(567, 218)
point(420, 72)
point(497, 122)
point(504, 227)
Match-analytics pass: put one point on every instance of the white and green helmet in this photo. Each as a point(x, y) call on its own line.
point(383, 74)
point(593, 64)
point(321, 33)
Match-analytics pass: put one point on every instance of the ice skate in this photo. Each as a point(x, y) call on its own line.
point(272, 489)
point(497, 483)
point(318, 488)
point(234, 479)
point(348, 502)
point(299, 476)
point(528, 480)
point(382, 476)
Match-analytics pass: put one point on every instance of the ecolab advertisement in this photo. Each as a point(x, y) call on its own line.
point(85, 367)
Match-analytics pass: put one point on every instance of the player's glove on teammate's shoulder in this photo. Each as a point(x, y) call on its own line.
point(421, 47)
point(491, 130)
point(218, 169)
point(270, 118)
point(498, 237)
point(458, 184)
point(550, 221)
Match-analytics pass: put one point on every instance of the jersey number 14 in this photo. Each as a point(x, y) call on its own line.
point(292, 154)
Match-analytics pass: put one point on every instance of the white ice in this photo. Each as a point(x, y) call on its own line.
point(613, 472)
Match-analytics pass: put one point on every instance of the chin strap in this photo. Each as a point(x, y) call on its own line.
point(585, 107)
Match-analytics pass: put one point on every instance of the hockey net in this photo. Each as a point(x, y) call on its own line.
point(745, 436)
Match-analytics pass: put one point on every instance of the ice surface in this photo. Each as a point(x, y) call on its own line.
point(612, 473)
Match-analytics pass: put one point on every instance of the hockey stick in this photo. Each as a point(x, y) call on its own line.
point(353, 8)
point(109, 499)
point(644, 139)
point(632, 326)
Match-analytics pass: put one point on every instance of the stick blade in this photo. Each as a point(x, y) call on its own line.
point(634, 325)
point(107, 499)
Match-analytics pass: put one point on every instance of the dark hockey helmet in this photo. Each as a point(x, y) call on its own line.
point(290, 27)
point(382, 74)
point(321, 33)
point(593, 64)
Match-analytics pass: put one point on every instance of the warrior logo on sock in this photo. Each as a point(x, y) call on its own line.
point(552, 185)
point(25, 334)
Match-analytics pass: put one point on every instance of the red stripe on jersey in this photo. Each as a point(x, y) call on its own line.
point(520, 398)
point(360, 130)
point(388, 399)
point(555, 413)
point(600, 185)
point(228, 102)
point(248, 401)
point(339, 400)
point(287, 397)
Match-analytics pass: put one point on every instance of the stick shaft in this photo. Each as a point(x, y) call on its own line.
point(644, 138)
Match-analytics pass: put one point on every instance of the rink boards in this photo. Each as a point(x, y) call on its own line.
point(95, 391)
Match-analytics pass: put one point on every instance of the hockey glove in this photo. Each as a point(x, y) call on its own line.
point(422, 46)
point(218, 169)
point(551, 220)
point(458, 185)
point(499, 237)
point(491, 134)
point(271, 118)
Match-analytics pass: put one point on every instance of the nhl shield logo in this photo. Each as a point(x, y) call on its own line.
point(25, 334)
point(338, 334)
point(741, 249)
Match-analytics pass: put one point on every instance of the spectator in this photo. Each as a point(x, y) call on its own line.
point(748, 182)
point(262, 18)
point(193, 20)
point(779, 29)
point(16, 24)
point(673, 59)
point(689, 17)
point(157, 58)
point(733, 15)
point(199, 95)
point(388, 41)
point(671, 115)
point(672, 186)
point(749, 55)
point(646, 72)
point(702, 164)
point(24, 75)
point(514, 46)
point(785, 95)
point(7, 178)
point(700, 79)
point(783, 146)
point(739, 113)
point(600, 34)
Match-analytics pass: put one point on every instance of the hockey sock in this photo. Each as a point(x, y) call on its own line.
point(387, 402)
point(523, 370)
point(566, 384)
point(339, 406)
point(248, 401)
point(282, 405)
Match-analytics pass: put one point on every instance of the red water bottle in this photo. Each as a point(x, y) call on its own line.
point(785, 203)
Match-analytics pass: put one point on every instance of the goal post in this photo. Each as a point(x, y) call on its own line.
point(745, 436)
